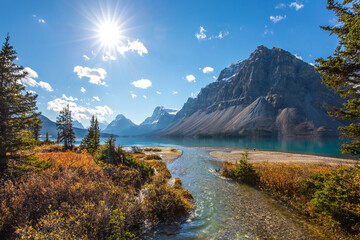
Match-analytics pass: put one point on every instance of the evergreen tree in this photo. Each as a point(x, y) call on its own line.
point(65, 130)
point(47, 140)
point(92, 140)
point(18, 116)
point(341, 72)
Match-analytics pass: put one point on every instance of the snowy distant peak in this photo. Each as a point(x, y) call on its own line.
point(103, 125)
point(170, 110)
point(120, 117)
point(119, 125)
point(159, 113)
point(77, 124)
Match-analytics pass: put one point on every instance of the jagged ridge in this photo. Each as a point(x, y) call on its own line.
point(270, 93)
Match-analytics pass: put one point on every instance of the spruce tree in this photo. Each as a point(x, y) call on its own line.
point(91, 141)
point(66, 133)
point(18, 116)
point(341, 71)
point(47, 141)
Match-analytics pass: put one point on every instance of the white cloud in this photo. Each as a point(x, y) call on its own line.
point(208, 70)
point(30, 81)
point(312, 64)
point(201, 35)
point(214, 77)
point(82, 89)
point(46, 86)
point(190, 78)
point(221, 35)
point(296, 5)
point(142, 83)
point(134, 46)
point(107, 56)
point(40, 20)
point(298, 57)
point(133, 95)
point(280, 5)
point(144, 96)
point(277, 18)
point(86, 58)
point(175, 92)
point(80, 112)
point(157, 92)
point(31, 91)
point(95, 75)
point(96, 98)
point(69, 98)
point(31, 73)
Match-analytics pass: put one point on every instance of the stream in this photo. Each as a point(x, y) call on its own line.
point(225, 209)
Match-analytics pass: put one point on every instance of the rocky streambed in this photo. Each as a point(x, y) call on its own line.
point(225, 209)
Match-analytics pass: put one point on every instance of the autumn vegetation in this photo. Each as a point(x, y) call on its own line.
point(58, 194)
point(325, 194)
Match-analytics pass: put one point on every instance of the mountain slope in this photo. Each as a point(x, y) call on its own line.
point(271, 93)
point(77, 124)
point(160, 118)
point(120, 126)
point(103, 125)
point(49, 127)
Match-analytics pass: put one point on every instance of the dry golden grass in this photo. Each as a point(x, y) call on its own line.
point(286, 179)
point(327, 194)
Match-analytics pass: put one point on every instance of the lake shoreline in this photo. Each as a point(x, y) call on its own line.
point(258, 156)
point(276, 156)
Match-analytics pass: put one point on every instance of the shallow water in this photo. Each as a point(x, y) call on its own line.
point(225, 209)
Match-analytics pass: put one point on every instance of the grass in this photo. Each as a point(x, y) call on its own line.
point(67, 195)
point(149, 149)
point(152, 157)
point(328, 195)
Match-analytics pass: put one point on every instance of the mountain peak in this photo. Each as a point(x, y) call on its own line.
point(120, 117)
point(160, 113)
point(272, 93)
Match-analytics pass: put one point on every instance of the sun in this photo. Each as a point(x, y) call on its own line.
point(109, 34)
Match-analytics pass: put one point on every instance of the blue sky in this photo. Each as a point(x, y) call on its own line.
point(127, 57)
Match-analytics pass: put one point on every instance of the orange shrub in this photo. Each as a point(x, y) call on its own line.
point(73, 197)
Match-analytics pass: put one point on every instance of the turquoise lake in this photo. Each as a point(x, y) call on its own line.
point(329, 146)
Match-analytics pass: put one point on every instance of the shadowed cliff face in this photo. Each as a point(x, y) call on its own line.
point(270, 93)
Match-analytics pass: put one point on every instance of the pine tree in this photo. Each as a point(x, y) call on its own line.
point(65, 130)
point(341, 72)
point(91, 141)
point(18, 116)
point(47, 141)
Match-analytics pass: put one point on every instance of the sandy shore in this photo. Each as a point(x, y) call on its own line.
point(278, 157)
point(167, 154)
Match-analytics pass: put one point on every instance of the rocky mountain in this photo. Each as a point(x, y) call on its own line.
point(272, 93)
point(160, 118)
point(120, 126)
point(103, 125)
point(49, 127)
point(77, 124)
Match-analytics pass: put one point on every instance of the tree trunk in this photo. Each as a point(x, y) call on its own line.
point(3, 164)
